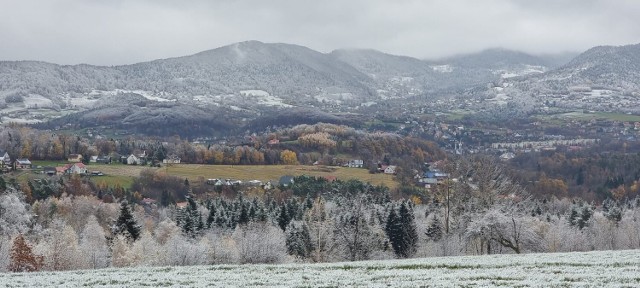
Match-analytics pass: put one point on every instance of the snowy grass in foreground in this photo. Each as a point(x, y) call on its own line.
point(592, 269)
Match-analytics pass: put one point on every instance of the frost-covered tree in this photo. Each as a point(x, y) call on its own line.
point(165, 230)
point(93, 245)
point(260, 242)
point(320, 228)
point(147, 252)
point(185, 251)
point(353, 235)
point(223, 247)
point(121, 255)
point(508, 230)
point(15, 215)
point(5, 252)
point(60, 248)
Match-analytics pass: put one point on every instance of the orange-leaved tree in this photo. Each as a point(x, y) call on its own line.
point(22, 257)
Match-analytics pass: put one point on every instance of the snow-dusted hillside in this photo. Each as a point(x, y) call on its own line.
point(591, 269)
point(603, 78)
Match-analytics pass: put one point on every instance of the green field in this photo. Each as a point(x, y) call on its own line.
point(113, 180)
point(245, 172)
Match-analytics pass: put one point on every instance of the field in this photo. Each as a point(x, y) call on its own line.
point(591, 269)
point(581, 116)
point(123, 174)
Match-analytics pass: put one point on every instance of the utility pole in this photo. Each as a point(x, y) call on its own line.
point(448, 208)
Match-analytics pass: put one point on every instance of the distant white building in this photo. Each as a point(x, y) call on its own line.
point(391, 169)
point(172, 159)
point(356, 163)
point(4, 157)
point(134, 160)
point(507, 156)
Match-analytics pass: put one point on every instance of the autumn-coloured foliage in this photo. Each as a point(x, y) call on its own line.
point(288, 157)
point(22, 257)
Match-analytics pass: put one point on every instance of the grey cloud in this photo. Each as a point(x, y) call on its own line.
point(121, 32)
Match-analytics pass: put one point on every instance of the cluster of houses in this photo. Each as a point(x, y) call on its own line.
point(6, 164)
point(431, 178)
point(74, 167)
point(231, 182)
point(143, 159)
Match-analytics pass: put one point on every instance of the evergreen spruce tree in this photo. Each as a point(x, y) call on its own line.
point(585, 215)
point(614, 214)
point(283, 217)
point(165, 199)
point(409, 230)
point(393, 229)
point(189, 219)
point(243, 217)
point(434, 230)
point(573, 216)
point(261, 215)
point(212, 215)
point(298, 239)
point(126, 225)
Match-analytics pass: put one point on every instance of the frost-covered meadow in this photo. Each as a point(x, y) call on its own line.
point(590, 269)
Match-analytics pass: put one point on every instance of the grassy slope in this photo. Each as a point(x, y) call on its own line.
point(591, 269)
point(122, 173)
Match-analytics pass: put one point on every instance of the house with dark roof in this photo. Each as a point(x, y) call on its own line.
point(23, 163)
point(50, 171)
point(103, 159)
point(285, 180)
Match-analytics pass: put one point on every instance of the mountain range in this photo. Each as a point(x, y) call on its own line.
point(248, 79)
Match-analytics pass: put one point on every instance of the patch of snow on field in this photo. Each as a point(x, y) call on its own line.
point(262, 97)
point(592, 269)
point(146, 94)
point(5, 119)
point(254, 93)
point(442, 68)
point(37, 101)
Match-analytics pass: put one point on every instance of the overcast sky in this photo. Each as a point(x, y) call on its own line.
point(110, 32)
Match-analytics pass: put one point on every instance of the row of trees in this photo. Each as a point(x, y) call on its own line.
point(590, 175)
point(309, 143)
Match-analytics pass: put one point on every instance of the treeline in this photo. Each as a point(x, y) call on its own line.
point(588, 175)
